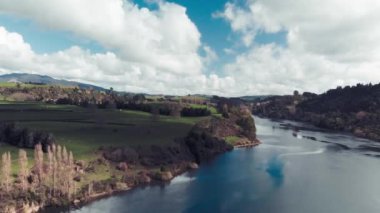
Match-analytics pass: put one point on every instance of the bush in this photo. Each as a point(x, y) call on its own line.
point(23, 137)
point(195, 112)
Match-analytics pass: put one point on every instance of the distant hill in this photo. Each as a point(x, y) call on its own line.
point(44, 79)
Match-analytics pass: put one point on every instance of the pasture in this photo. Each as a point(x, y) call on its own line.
point(84, 130)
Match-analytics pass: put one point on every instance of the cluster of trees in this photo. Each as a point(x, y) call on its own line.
point(48, 179)
point(109, 99)
point(238, 111)
point(248, 127)
point(228, 105)
point(167, 108)
point(195, 112)
point(354, 109)
point(345, 99)
point(24, 138)
point(275, 107)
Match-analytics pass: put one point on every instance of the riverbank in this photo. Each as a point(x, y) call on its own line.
point(109, 159)
point(351, 109)
point(167, 177)
point(272, 177)
point(160, 164)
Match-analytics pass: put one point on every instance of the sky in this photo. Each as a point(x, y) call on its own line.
point(180, 47)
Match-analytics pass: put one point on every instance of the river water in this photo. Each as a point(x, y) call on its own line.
point(296, 169)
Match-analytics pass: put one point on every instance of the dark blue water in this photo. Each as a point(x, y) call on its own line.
point(292, 171)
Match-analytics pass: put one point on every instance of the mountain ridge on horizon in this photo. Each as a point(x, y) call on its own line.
point(45, 79)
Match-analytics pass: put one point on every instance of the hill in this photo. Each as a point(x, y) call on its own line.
point(44, 80)
point(354, 109)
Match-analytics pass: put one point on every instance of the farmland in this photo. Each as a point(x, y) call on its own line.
point(84, 130)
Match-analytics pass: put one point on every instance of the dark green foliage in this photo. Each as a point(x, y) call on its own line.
point(353, 108)
point(345, 100)
point(195, 112)
point(225, 104)
point(248, 125)
point(23, 137)
point(204, 146)
point(163, 169)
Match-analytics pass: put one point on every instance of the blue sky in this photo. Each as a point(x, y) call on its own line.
point(262, 47)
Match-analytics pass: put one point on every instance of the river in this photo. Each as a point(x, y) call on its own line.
point(295, 170)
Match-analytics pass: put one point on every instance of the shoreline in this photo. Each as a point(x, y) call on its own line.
point(75, 204)
point(248, 145)
point(96, 197)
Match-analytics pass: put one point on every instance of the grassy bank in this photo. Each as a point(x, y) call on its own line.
point(84, 130)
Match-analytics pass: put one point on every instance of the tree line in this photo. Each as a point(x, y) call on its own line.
point(49, 179)
point(362, 97)
point(23, 137)
point(108, 99)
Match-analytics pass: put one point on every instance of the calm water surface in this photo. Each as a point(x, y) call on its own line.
point(292, 171)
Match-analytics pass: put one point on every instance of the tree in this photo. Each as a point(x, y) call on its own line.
point(23, 171)
point(55, 165)
point(65, 156)
point(50, 155)
point(70, 176)
point(53, 177)
point(39, 160)
point(6, 180)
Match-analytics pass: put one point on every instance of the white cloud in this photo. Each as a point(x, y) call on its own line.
point(270, 69)
point(153, 51)
point(329, 43)
point(164, 38)
point(229, 51)
point(210, 55)
point(104, 69)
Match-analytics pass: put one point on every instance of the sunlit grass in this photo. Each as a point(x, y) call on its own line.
point(84, 131)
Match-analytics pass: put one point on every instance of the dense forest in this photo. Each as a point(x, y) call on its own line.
point(352, 108)
point(345, 100)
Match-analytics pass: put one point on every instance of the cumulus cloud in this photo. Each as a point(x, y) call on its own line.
point(104, 69)
point(210, 55)
point(329, 43)
point(164, 38)
point(152, 51)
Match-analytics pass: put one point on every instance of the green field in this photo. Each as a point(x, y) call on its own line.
point(231, 139)
point(27, 85)
point(212, 109)
point(83, 130)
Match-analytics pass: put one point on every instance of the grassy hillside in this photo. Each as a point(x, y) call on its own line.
point(212, 109)
point(85, 130)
